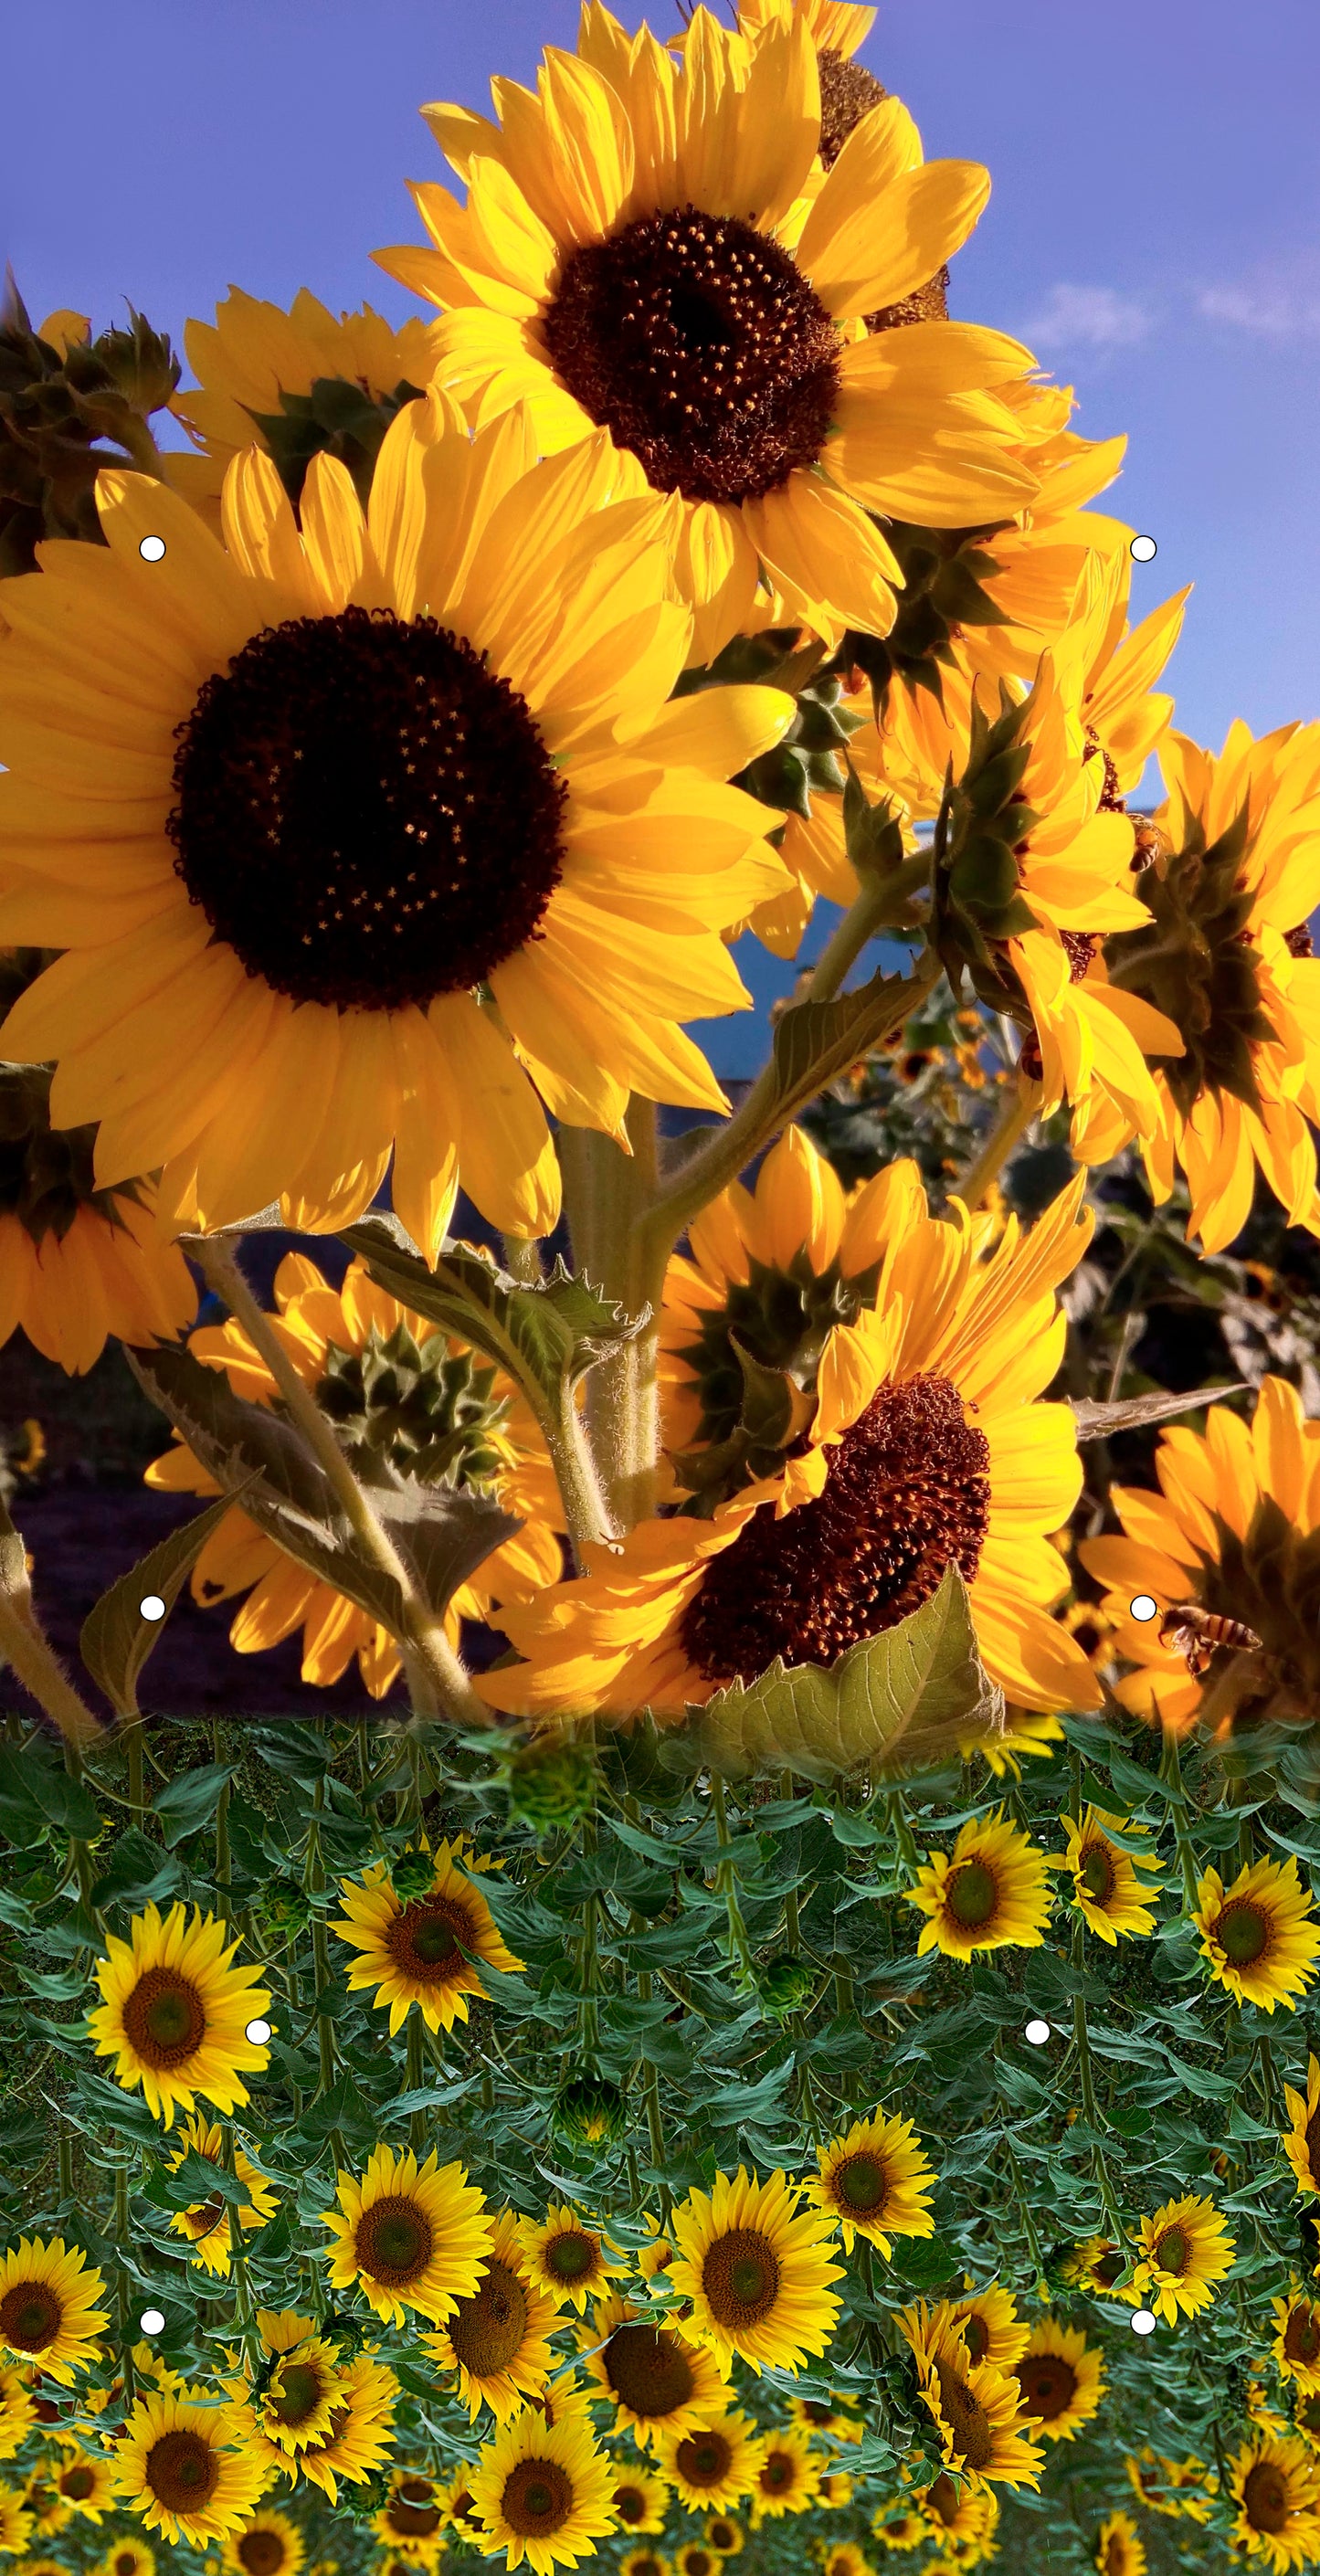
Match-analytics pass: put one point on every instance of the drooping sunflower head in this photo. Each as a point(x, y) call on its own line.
point(659, 2379)
point(755, 2264)
point(785, 2474)
point(1108, 1887)
point(1186, 2249)
point(974, 2407)
point(1259, 1935)
point(1061, 2378)
point(268, 2544)
point(1119, 2550)
point(48, 2311)
point(207, 2224)
point(497, 2342)
point(543, 2491)
point(712, 2464)
point(877, 2183)
point(174, 2012)
point(412, 2237)
point(993, 1889)
point(567, 2257)
point(1276, 2488)
point(428, 1951)
point(182, 2469)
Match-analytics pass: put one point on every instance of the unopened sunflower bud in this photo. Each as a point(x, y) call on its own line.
point(590, 2111)
point(786, 1985)
point(411, 1874)
point(139, 363)
point(549, 1786)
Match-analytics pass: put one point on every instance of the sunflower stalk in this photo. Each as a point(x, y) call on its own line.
point(738, 1945)
point(882, 904)
point(1018, 1114)
point(606, 1193)
point(1024, 2210)
point(313, 1886)
point(1171, 1775)
point(416, 2073)
point(123, 2239)
point(247, 2333)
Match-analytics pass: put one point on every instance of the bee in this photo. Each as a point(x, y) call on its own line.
point(1195, 1634)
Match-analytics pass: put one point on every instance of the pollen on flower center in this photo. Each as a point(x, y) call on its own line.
point(30, 2316)
point(262, 2552)
point(394, 2241)
point(182, 2471)
point(699, 344)
point(1242, 1932)
point(1048, 2383)
point(967, 2420)
point(164, 2018)
point(648, 2370)
point(364, 812)
point(906, 1493)
point(422, 1938)
point(489, 2327)
point(1266, 2498)
point(537, 2497)
point(740, 2277)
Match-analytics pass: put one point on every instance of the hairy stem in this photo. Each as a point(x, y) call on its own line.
point(24, 1647)
point(606, 1194)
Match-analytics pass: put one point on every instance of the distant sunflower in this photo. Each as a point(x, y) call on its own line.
point(1171, 2487)
point(568, 2258)
point(410, 2236)
point(830, 2421)
point(1259, 1935)
point(877, 2183)
point(399, 1389)
point(207, 2225)
point(992, 1891)
point(844, 2558)
point(899, 2525)
point(925, 1449)
point(960, 2517)
point(1276, 2488)
point(194, 1014)
point(639, 2499)
point(1234, 1530)
point(785, 2474)
point(756, 2266)
point(428, 1951)
point(1062, 2379)
point(497, 2340)
point(268, 2545)
point(48, 2311)
point(974, 2407)
point(18, 2411)
point(412, 2522)
point(1301, 2145)
point(543, 2492)
point(1297, 2340)
point(696, 2558)
point(835, 2490)
point(725, 2534)
point(989, 2324)
point(1306, 2421)
point(660, 2380)
point(1108, 1888)
point(711, 2465)
point(460, 2513)
point(1118, 2549)
point(184, 2470)
point(128, 2558)
point(759, 399)
point(16, 2526)
point(644, 2562)
point(1184, 2250)
point(50, 2511)
point(85, 2482)
point(174, 2011)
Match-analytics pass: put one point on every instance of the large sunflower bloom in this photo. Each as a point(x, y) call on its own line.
point(713, 2464)
point(358, 2439)
point(298, 2393)
point(755, 2265)
point(1108, 1889)
point(174, 2012)
point(1185, 2249)
point(1118, 2549)
point(876, 2183)
point(926, 1448)
point(1062, 2379)
point(1301, 2145)
point(184, 2469)
point(991, 1891)
point(225, 807)
point(543, 2492)
point(1297, 2340)
point(207, 2226)
point(429, 1951)
point(267, 2545)
point(659, 2380)
point(1259, 1935)
point(410, 2236)
point(1234, 1530)
point(48, 2311)
point(567, 2258)
point(1276, 2488)
point(497, 2341)
point(637, 252)
point(974, 2407)
point(400, 1387)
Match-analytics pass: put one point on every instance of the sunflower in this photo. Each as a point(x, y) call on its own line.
point(77, 1264)
point(989, 2324)
point(566, 2257)
point(174, 2012)
point(291, 2397)
point(207, 2226)
point(1297, 2339)
point(835, 2490)
point(638, 253)
point(48, 2311)
point(428, 1951)
point(1108, 1890)
point(639, 2500)
point(785, 2475)
point(961, 2518)
point(829, 2419)
point(756, 2266)
point(412, 2523)
point(844, 2558)
point(410, 2236)
point(1062, 2379)
point(128, 2558)
point(185, 2470)
point(303, 383)
point(1185, 2249)
point(973, 2406)
point(659, 2379)
point(1170, 2487)
point(543, 2492)
point(1301, 2144)
point(876, 2183)
point(899, 2525)
point(1233, 1531)
point(398, 1388)
point(1118, 2548)
point(42, 2499)
point(1276, 2488)
point(992, 1891)
point(725, 2534)
point(696, 2558)
point(925, 1449)
point(85, 2483)
point(459, 2512)
point(1306, 2421)
point(16, 2526)
point(267, 2545)
point(1259, 1935)
point(498, 2339)
point(713, 2464)
point(37, 2566)
point(18, 2412)
point(185, 1013)
point(644, 2562)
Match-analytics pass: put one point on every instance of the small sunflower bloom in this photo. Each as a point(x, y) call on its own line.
point(269, 2544)
point(410, 2236)
point(18, 2411)
point(1110, 1893)
point(639, 2499)
point(128, 2558)
point(844, 2558)
point(989, 2324)
point(412, 2523)
point(660, 2380)
point(696, 2558)
point(1185, 2249)
point(1297, 2340)
point(359, 2437)
point(830, 2422)
point(428, 1952)
point(960, 2517)
point(713, 2464)
point(644, 2562)
point(184, 2469)
point(567, 2258)
point(1275, 2486)
point(725, 2534)
point(16, 2524)
point(876, 2182)
point(85, 2483)
point(1062, 2379)
point(543, 2492)
point(497, 2341)
point(48, 2311)
point(1118, 2549)
point(174, 2012)
point(756, 2267)
point(1171, 2487)
point(899, 2526)
point(1259, 1935)
point(785, 2475)
point(207, 2225)
point(1301, 2143)
point(991, 1892)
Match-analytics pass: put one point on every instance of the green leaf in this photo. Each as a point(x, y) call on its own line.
point(137, 1871)
point(62, 1800)
point(115, 1639)
point(814, 1041)
point(189, 1801)
point(905, 1695)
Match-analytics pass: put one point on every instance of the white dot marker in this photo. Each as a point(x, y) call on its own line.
point(152, 1606)
point(1143, 2323)
point(152, 2320)
point(258, 2032)
point(152, 548)
point(1143, 550)
point(1144, 1606)
point(1037, 2032)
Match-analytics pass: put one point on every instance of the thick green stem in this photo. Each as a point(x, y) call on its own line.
point(882, 904)
point(416, 2071)
point(1024, 2210)
point(123, 2238)
point(522, 1259)
point(1018, 1112)
point(606, 1196)
point(739, 1947)
point(313, 1884)
point(897, 1815)
point(137, 1801)
point(1171, 1774)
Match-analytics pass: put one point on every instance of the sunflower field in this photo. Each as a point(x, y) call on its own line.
point(782, 2031)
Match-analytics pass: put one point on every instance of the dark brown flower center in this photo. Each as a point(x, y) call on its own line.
point(300, 2389)
point(126, 2563)
point(630, 2504)
point(1243, 1932)
point(364, 812)
point(861, 2185)
point(30, 2316)
point(412, 2521)
point(164, 2019)
point(699, 344)
point(970, 2429)
point(778, 2470)
point(647, 2566)
point(906, 1493)
point(262, 2553)
point(722, 2536)
point(697, 2562)
point(1301, 2340)
point(1097, 1873)
point(206, 2217)
point(1299, 942)
point(815, 2413)
point(537, 2498)
point(77, 2484)
point(1048, 2384)
point(1172, 2252)
point(1308, 2413)
point(423, 1939)
point(182, 2471)
point(971, 1893)
point(1265, 2498)
point(340, 2417)
point(1106, 2268)
point(942, 2499)
point(740, 2277)
point(704, 2458)
point(569, 2257)
point(394, 2241)
point(649, 2371)
point(975, 2334)
point(488, 2328)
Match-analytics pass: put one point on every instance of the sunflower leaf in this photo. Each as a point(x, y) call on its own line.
point(906, 1694)
point(815, 1041)
point(115, 1640)
point(1096, 1421)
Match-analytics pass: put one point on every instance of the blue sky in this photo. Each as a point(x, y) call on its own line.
point(1153, 233)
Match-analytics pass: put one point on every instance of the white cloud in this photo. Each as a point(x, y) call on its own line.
point(1087, 317)
point(1277, 303)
